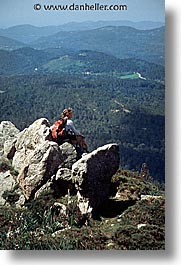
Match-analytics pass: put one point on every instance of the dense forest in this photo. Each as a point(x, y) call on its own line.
point(97, 103)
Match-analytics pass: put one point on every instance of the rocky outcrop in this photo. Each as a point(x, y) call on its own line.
point(93, 172)
point(29, 139)
point(43, 165)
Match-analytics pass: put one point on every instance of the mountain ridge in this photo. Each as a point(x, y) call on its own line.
point(19, 32)
point(111, 40)
point(147, 45)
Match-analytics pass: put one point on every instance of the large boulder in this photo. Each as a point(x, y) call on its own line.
point(28, 140)
point(93, 172)
point(40, 166)
point(8, 135)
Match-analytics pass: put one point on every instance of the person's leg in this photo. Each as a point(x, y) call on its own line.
point(82, 143)
point(75, 143)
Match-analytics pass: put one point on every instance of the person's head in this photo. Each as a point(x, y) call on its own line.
point(67, 113)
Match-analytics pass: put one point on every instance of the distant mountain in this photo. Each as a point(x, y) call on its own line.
point(87, 25)
point(10, 44)
point(146, 45)
point(28, 33)
point(121, 42)
point(28, 60)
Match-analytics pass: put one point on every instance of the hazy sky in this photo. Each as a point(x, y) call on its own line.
point(16, 12)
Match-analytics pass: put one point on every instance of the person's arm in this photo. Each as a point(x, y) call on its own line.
point(72, 127)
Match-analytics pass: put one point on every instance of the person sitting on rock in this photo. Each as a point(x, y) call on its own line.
point(72, 134)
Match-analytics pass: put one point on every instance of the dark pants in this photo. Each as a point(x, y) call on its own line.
point(66, 138)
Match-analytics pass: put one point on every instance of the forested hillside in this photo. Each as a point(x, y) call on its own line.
point(143, 44)
point(27, 60)
point(95, 100)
